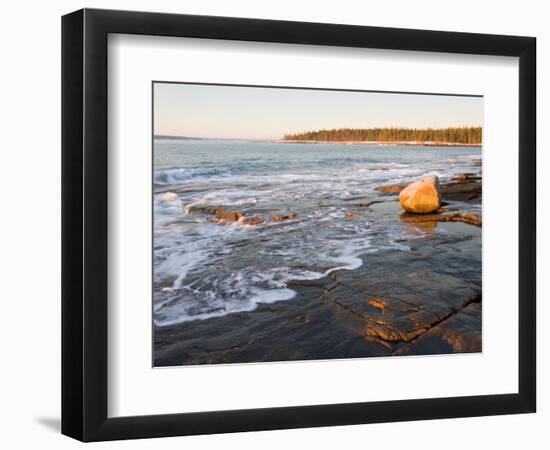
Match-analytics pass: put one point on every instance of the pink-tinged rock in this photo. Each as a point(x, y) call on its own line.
point(421, 197)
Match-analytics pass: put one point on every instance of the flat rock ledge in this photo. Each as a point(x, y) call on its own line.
point(426, 300)
point(468, 218)
point(222, 214)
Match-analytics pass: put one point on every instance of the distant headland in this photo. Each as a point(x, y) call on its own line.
point(165, 136)
point(452, 136)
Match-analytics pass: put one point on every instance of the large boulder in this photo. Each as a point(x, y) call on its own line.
point(421, 197)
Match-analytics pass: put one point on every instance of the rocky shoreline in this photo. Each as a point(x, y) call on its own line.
point(426, 300)
point(464, 188)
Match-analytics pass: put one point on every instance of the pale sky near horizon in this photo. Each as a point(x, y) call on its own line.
point(208, 111)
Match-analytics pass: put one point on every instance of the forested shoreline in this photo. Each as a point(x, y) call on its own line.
point(460, 135)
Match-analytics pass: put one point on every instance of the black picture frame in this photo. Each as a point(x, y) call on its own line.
point(84, 224)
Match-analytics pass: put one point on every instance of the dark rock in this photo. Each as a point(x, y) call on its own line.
point(423, 300)
point(469, 218)
point(253, 220)
point(225, 215)
point(461, 190)
point(202, 209)
point(222, 214)
point(465, 177)
point(476, 163)
point(460, 333)
point(283, 217)
point(368, 204)
point(391, 188)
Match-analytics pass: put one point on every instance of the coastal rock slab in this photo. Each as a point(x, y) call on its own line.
point(469, 218)
point(421, 197)
point(389, 188)
point(225, 215)
point(423, 297)
point(462, 190)
point(460, 333)
point(283, 217)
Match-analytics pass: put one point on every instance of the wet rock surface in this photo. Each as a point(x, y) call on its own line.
point(423, 301)
point(460, 333)
point(469, 218)
point(222, 214)
point(423, 298)
point(283, 217)
point(390, 188)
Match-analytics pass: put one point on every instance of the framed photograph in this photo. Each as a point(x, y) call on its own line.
point(272, 224)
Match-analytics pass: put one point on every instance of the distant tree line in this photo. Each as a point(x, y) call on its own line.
point(462, 135)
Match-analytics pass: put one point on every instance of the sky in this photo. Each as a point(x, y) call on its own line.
point(236, 112)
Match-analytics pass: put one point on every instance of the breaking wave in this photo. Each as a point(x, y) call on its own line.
point(177, 176)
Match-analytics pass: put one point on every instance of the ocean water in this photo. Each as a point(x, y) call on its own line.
point(204, 269)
